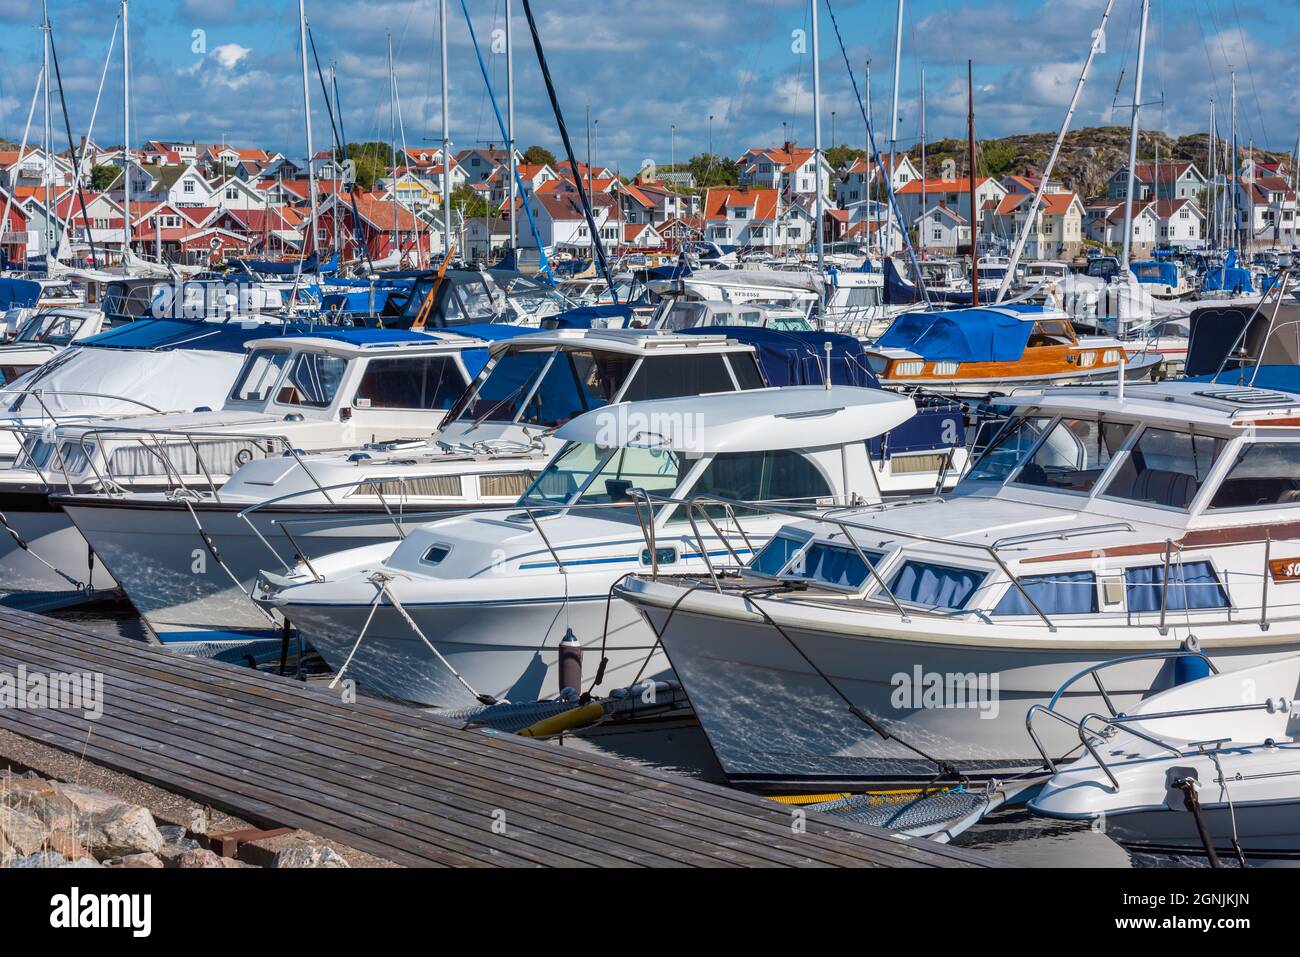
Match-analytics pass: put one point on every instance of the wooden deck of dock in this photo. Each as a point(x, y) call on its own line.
point(400, 784)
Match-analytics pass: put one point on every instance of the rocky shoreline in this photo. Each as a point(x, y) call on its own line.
point(50, 823)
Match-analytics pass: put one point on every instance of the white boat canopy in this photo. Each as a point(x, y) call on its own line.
point(792, 417)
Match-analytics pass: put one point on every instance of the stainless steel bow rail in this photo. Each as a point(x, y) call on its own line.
point(1115, 722)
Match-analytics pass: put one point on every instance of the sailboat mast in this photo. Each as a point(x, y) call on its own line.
point(446, 129)
point(126, 137)
point(893, 121)
point(868, 172)
point(920, 231)
point(510, 121)
point(1133, 140)
point(970, 182)
point(818, 186)
point(337, 152)
point(51, 215)
point(306, 109)
point(1212, 209)
point(392, 142)
point(1232, 165)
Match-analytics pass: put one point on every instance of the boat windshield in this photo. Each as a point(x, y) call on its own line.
point(587, 474)
point(577, 381)
point(1074, 455)
point(51, 328)
point(1008, 450)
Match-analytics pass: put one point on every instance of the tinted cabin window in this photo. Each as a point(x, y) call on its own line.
point(1074, 455)
point(1007, 450)
point(745, 367)
point(428, 382)
point(313, 380)
point(501, 394)
point(1267, 473)
point(775, 476)
point(667, 377)
point(1165, 468)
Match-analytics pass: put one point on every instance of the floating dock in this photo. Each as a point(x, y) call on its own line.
point(408, 787)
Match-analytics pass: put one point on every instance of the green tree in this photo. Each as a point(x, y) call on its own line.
point(371, 161)
point(470, 203)
point(998, 156)
point(539, 156)
point(841, 156)
point(101, 177)
point(710, 170)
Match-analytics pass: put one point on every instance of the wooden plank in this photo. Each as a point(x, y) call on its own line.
point(409, 786)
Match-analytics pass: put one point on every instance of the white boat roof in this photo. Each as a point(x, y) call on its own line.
point(791, 417)
point(348, 344)
point(1182, 402)
point(627, 341)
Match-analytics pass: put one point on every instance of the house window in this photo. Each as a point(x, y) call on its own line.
point(189, 186)
point(232, 193)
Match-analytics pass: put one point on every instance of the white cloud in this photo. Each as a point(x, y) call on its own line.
point(229, 55)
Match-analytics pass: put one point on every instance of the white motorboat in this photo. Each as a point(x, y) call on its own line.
point(327, 389)
point(487, 451)
point(1101, 523)
point(1208, 767)
point(45, 335)
point(24, 298)
point(479, 605)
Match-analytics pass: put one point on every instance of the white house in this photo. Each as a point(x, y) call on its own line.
point(942, 230)
point(855, 179)
point(919, 196)
point(787, 168)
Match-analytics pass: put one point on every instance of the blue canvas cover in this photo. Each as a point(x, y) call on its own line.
point(960, 335)
point(18, 293)
point(797, 358)
point(581, 318)
point(188, 334)
point(1156, 273)
point(1229, 277)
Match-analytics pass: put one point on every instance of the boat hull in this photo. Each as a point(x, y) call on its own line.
point(51, 540)
point(772, 718)
point(158, 555)
point(506, 649)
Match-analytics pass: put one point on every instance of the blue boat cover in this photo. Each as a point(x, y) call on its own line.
point(581, 318)
point(797, 358)
point(188, 334)
point(272, 267)
point(965, 335)
point(1229, 277)
point(1280, 378)
point(18, 293)
point(1155, 273)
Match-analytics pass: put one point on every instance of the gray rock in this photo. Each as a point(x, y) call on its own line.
point(88, 801)
point(25, 833)
point(135, 861)
point(80, 862)
point(172, 833)
point(46, 859)
point(311, 855)
point(39, 799)
point(199, 857)
point(121, 830)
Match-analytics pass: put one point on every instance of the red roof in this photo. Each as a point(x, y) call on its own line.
point(717, 200)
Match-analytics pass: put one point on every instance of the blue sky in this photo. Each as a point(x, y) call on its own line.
point(644, 65)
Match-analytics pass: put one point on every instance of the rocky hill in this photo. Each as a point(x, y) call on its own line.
point(1088, 156)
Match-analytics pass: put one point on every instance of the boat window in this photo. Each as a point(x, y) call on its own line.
point(1192, 585)
point(1074, 455)
point(260, 374)
point(583, 473)
point(776, 554)
point(424, 382)
point(1008, 450)
point(600, 375)
point(507, 385)
point(668, 377)
point(745, 367)
point(1266, 473)
point(839, 566)
point(776, 475)
point(1051, 332)
point(1064, 593)
point(1165, 468)
point(53, 329)
point(934, 586)
point(313, 380)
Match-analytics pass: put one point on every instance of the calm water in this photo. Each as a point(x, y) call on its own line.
point(1014, 835)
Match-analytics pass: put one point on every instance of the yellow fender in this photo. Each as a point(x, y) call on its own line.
point(567, 721)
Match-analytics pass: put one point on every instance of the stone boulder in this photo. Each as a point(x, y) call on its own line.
point(121, 830)
point(311, 855)
point(24, 833)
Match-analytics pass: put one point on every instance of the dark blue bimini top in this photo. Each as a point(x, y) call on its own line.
point(188, 334)
point(797, 358)
point(18, 293)
point(1156, 273)
point(960, 335)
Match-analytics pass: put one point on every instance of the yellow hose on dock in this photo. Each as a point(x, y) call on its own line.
point(566, 721)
